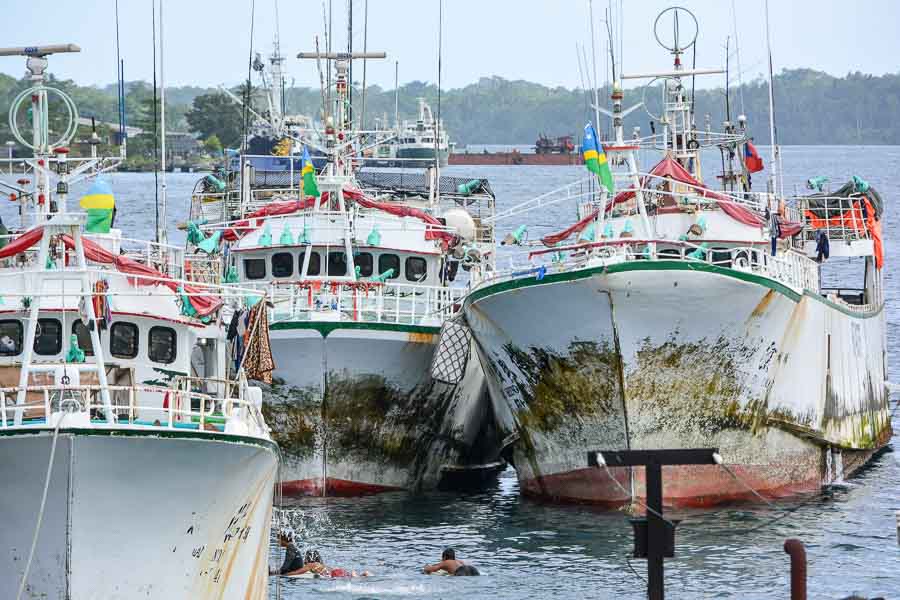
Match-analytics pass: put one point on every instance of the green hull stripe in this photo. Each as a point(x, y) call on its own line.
point(155, 433)
point(423, 153)
point(326, 327)
point(662, 265)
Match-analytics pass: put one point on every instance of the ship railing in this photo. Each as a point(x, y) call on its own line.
point(791, 268)
point(363, 301)
point(166, 258)
point(840, 218)
point(135, 406)
point(659, 141)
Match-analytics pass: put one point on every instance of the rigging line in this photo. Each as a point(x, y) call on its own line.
point(155, 131)
point(247, 93)
point(737, 51)
point(633, 499)
point(630, 566)
point(43, 505)
point(119, 74)
point(587, 102)
point(350, 63)
point(693, 79)
point(621, 36)
point(612, 47)
point(362, 117)
point(437, 125)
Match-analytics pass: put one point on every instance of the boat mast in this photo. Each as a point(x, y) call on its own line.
point(397, 96)
point(774, 165)
point(594, 66)
point(162, 112)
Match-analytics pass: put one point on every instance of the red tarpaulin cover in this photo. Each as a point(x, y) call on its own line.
point(204, 305)
point(245, 226)
point(22, 243)
point(401, 210)
point(671, 168)
point(853, 219)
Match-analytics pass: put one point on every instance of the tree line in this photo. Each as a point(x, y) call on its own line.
point(812, 107)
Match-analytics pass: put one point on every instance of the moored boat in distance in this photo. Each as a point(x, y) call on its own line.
point(671, 315)
point(374, 388)
point(131, 463)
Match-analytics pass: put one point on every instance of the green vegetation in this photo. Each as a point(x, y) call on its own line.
point(812, 108)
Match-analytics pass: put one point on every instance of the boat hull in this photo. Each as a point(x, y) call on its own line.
point(421, 157)
point(162, 515)
point(668, 354)
point(357, 412)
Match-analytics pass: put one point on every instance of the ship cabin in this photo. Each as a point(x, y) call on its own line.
point(674, 216)
point(149, 346)
point(363, 264)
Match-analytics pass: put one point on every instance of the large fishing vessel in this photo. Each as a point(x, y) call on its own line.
point(131, 464)
point(674, 316)
point(374, 388)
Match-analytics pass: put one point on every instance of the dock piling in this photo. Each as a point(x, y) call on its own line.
point(797, 552)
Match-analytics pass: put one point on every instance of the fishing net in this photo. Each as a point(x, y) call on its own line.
point(452, 354)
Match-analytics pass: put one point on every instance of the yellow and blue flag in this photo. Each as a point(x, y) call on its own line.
point(308, 171)
point(595, 158)
point(99, 204)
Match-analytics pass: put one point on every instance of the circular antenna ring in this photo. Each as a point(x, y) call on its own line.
point(680, 32)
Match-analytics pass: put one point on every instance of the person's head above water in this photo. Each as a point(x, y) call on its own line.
point(285, 537)
point(448, 554)
point(312, 556)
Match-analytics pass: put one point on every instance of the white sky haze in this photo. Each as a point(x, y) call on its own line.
point(207, 41)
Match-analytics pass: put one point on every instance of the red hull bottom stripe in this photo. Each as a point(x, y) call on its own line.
point(332, 487)
point(683, 486)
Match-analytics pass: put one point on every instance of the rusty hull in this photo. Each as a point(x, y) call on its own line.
point(784, 384)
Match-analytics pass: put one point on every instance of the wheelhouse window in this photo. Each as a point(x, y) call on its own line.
point(282, 264)
point(83, 335)
point(416, 268)
point(48, 341)
point(163, 345)
point(11, 332)
point(315, 263)
point(366, 264)
point(389, 261)
point(123, 340)
point(337, 264)
point(255, 268)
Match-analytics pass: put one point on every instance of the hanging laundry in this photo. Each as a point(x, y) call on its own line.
point(823, 249)
point(258, 360)
point(774, 229)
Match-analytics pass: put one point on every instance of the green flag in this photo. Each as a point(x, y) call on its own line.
point(595, 158)
point(310, 188)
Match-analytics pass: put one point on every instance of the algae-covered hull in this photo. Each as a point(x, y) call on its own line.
point(357, 411)
point(151, 514)
point(669, 354)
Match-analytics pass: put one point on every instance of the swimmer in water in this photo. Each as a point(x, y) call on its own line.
point(451, 565)
point(293, 560)
point(315, 565)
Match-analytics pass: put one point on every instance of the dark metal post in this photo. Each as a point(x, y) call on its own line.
point(656, 533)
point(656, 538)
point(797, 552)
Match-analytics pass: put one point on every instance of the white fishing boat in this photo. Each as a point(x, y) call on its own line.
point(419, 142)
point(374, 389)
point(131, 465)
point(674, 316)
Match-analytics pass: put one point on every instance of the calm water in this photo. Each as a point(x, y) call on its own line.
point(525, 549)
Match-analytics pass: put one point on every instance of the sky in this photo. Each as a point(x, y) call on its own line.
point(207, 42)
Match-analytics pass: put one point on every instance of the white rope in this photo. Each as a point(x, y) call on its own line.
point(37, 527)
point(632, 496)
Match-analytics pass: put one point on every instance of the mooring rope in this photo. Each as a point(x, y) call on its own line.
point(40, 519)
